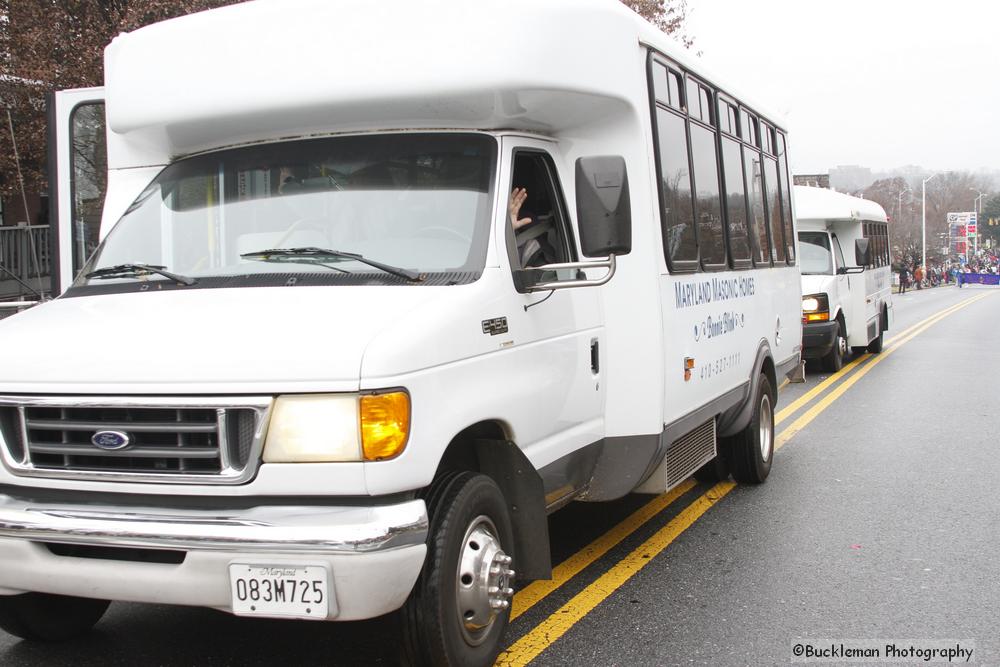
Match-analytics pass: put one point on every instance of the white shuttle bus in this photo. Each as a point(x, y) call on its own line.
point(843, 306)
point(305, 367)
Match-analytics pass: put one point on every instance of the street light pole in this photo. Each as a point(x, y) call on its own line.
point(923, 220)
point(977, 206)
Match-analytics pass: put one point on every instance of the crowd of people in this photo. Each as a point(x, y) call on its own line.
point(984, 261)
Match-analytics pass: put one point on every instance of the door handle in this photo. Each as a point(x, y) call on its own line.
point(595, 356)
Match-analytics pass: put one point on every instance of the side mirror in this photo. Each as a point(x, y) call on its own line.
point(862, 252)
point(603, 210)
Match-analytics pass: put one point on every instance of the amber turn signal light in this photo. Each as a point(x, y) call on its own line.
point(385, 424)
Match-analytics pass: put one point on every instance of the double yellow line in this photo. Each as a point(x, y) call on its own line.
point(528, 647)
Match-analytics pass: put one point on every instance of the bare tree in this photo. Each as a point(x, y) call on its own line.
point(669, 16)
point(55, 44)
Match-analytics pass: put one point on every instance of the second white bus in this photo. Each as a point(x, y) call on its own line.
point(844, 305)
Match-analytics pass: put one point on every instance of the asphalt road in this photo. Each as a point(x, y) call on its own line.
point(878, 522)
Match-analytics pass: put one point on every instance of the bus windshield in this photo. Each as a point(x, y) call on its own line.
point(418, 204)
point(815, 256)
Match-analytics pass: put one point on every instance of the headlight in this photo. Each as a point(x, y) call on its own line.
point(815, 308)
point(337, 427)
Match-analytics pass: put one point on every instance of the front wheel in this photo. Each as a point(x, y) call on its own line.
point(834, 359)
point(47, 617)
point(750, 451)
point(460, 605)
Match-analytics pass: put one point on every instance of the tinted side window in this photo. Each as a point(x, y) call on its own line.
point(89, 163)
point(774, 209)
point(709, 204)
point(838, 252)
point(786, 198)
point(680, 245)
point(758, 226)
point(736, 204)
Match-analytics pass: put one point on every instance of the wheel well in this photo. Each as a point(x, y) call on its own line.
point(486, 448)
point(461, 451)
point(767, 368)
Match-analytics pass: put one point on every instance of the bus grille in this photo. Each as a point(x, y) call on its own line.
point(208, 444)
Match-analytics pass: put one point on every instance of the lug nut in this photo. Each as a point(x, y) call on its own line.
point(508, 591)
point(511, 573)
point(492, 590)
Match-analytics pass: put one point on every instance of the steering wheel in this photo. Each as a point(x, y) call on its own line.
point(446, 231)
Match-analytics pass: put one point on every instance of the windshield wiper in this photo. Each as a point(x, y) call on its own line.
point(137, 270)
point(318, 255)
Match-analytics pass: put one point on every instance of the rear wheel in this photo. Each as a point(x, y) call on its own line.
point(47, 617)
point(460, 605)
point(750, 451)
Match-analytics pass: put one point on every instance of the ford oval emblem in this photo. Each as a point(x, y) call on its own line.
point(111, 440)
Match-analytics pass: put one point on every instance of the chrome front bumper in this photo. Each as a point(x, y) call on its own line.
point(373, 552)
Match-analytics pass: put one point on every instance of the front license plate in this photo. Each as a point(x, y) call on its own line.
point(297, 591)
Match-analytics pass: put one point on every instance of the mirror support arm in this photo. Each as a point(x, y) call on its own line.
point(608, 264)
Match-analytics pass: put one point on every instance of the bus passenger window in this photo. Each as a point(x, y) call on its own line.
point(758, 226)
point(786, 198)
point(674, 83)
point(679, 243)
point(736, 204)
point(660, 88)
point(774, 209)
point(708, 204)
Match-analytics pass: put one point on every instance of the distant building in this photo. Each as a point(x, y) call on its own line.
point(851, 178)
point(812, 180)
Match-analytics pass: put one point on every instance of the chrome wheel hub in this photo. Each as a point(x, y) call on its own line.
point(766, 427)
point(484, 576)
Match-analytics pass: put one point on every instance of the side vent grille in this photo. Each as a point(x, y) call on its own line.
point(690, 452)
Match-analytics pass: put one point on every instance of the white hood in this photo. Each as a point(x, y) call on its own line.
point(816, 284)
point(249, 340)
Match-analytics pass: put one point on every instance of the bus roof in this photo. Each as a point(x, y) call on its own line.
point(270, 69)
point(823, 204)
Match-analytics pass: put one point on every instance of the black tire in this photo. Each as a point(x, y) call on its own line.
point(751, 451)
point(433, 625)
point(51, 618)
point(834, 359)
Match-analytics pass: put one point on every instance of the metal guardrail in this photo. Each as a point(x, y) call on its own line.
point(25, 261)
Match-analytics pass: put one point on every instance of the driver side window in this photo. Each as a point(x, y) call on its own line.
point(838, 253)
point(541, 234)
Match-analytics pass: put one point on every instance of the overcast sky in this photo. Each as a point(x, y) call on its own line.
point(877, 83)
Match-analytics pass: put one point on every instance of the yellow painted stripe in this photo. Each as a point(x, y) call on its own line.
point(814, 411)
point(798, 403)
point(528, 647)
point(534, 592)
point(789, 409)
